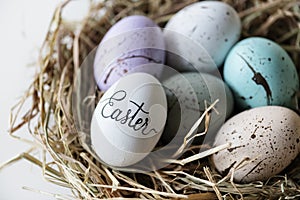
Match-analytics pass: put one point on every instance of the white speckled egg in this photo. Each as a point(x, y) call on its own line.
point(128, 120)
point(214, 26)
point(132, 42)
point(186, 96)
point(261, 73)
point(267, 137)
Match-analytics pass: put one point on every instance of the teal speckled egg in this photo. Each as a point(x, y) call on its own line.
point(261, 73)
point(186, 97)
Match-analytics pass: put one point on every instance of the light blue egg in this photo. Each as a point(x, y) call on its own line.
point(261, 73)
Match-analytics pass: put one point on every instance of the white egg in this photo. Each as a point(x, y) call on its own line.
point(128, 120)
point(200, 31)
point(265, 137)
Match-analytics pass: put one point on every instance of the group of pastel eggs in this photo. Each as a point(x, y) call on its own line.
point(158, 83)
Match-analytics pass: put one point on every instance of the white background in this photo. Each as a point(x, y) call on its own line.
point(23, 28)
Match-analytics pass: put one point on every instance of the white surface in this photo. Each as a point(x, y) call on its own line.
point(23, 28)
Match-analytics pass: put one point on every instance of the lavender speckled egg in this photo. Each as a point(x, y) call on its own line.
point(186, 96)
point(129, 44)
point(261, 73)
point(214, 26)
point(267, 138)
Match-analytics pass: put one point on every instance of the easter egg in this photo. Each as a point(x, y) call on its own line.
point(259, 73)
point(263, 141)
point(188, 95)
point(130, 44)
point(200, 35)
point(129, 120)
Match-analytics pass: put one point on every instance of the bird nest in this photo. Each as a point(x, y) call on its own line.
point(56, 90)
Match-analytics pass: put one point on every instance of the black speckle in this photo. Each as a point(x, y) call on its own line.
point(233, 148)
point(227, 13)
point(269, 59)
point(225, 171)
point(194, 28)
point(61, 113)
point(226, 40)
point(253, 136)
point(269, 43)
point(282, 58)
point(251, 50)
point(297, 140)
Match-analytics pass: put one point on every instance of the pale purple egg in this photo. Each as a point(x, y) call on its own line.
point(132, 42)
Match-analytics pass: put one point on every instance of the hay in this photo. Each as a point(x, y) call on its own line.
point(51, 120)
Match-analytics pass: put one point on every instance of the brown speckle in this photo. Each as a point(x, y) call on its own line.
point(260, 80)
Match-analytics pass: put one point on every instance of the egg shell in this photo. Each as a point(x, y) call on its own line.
point(133, 41)
point(128, 120)
point(267, 137)
point(214, 27)
point(261, 73)
point(186, 96)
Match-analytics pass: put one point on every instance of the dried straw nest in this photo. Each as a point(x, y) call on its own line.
point(51, 120)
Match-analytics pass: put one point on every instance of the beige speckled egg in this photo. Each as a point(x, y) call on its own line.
point(267, 136)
